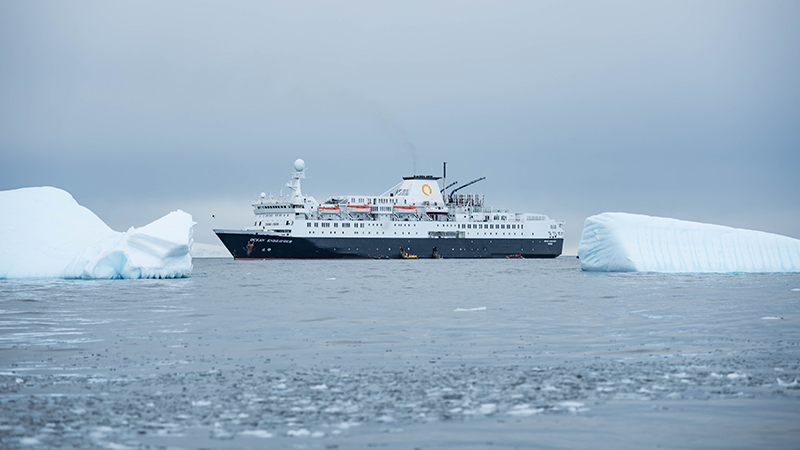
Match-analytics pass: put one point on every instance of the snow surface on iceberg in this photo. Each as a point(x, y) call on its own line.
point(45, 233)
point(620, 242)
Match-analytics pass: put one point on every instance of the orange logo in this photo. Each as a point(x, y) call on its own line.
point(426, 189)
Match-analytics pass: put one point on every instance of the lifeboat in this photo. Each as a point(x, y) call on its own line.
point(399, 209)
point(437, 210)
point(329, 209)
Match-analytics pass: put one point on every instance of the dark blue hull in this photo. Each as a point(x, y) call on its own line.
point(260, 246)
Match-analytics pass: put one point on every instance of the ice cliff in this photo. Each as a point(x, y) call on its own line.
point(620, 242)
point(45, 233)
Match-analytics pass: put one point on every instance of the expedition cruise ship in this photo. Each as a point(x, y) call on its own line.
point(414, 219)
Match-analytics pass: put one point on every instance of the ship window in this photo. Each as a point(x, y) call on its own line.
point(316, 224)
point(335, 225)
point(308, 224)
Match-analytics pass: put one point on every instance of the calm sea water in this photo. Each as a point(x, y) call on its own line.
point(402, 354)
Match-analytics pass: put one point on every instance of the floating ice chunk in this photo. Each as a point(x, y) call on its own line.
point(795, 289)
point(771, 318)
point(347, 425)
point(29, 441)
point(487, 408)
point(45, 233)
point(302, 432)
point(201, 403)
point(480, 308)
point(736, 376)
point(793, 384)
point(524, 410)
point(319, 387)
point(257, 433)
point(620, 242)
point(572, 406)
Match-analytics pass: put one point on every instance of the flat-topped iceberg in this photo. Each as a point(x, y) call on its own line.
point(45, 233)
point(620, 242)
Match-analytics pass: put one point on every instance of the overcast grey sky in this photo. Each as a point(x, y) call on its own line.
point(678, 109)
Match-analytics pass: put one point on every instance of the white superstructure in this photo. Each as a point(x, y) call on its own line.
point(414, 208)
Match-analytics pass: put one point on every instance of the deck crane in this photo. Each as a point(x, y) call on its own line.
point(449, 186)
point(450, 198)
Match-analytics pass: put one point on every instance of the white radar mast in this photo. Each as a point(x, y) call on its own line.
point(294, 183)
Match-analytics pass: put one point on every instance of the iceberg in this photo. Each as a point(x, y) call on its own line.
point(45, 233)
point(620, 242)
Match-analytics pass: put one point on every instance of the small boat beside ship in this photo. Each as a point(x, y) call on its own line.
point(414, 219)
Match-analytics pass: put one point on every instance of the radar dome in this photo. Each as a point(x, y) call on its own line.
point(299, 165)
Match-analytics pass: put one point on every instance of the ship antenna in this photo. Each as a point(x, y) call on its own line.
point(444, 181)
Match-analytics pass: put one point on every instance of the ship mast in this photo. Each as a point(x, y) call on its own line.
point(294, 183)
point(444, 182)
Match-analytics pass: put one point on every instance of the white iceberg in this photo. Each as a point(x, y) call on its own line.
point(620, 242)
point(45, 233)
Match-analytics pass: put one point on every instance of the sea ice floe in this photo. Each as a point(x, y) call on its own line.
point(302, 432)
point(487, 408)
point(524, 410)
point(793, 384)
point(45, 233)
point(347, 425)
point(257, 433)
point(620, 242)
point(571, 406)
point(736, 376)
point(480, 308)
